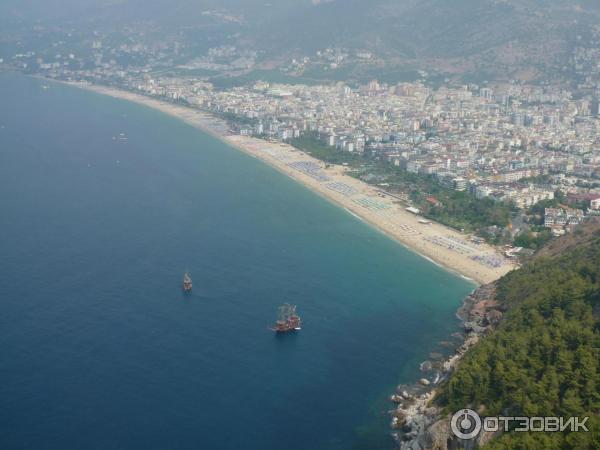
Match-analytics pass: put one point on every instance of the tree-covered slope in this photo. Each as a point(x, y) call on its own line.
point(544, 358)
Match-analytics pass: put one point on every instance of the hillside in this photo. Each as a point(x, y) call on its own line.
point(544, 357)
point(484, 37)
point(478, 38)
point(583, 236)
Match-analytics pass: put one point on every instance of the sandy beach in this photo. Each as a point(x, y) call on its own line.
point(440, 244)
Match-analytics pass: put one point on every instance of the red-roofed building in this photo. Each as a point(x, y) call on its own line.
point(433, 201)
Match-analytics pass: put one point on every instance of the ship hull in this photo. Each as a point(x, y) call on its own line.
point(288, 330)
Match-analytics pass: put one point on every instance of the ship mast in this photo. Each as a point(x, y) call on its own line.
point(287, 319)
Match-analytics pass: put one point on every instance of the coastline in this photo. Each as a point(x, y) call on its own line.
point(417, 422)
point(437, 243)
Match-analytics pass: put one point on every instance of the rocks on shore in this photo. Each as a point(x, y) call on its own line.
point(419, 425)
point(472, 327)
point(396, 398)
point(426, 366)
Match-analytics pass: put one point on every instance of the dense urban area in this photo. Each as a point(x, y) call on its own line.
point(512, 162)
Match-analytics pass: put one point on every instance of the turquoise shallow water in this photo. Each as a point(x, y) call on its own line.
point(100, 348)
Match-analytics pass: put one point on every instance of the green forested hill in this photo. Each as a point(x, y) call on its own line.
point(544, 358)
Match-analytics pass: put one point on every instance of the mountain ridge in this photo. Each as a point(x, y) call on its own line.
point(499, 38)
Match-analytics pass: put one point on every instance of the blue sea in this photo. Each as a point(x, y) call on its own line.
point(104, 205)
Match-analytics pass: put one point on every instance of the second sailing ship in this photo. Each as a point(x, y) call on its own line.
point(288, 320)
point(187, 282)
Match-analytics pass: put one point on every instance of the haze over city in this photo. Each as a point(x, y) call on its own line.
point(338, 224)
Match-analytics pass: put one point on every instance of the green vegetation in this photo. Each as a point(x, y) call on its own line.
point(544, 358)
point(539, 179)
point(461, 210)
point(236, 120)
point(533, 240)
point(310, 144)
point(539, 207)
point(456, 209)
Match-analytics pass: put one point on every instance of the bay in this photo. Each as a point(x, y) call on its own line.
point(103, 206)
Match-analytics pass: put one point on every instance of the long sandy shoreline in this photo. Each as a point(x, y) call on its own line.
point(438, 243)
